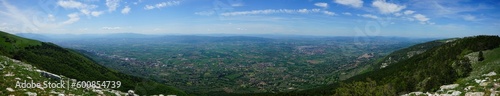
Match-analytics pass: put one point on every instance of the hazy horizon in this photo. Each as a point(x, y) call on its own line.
point(413, 18)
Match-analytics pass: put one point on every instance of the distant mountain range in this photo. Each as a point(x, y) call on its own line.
point(56, 37)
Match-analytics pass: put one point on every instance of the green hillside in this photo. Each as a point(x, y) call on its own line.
point(425, 72)
point(389, 59)
point(409, 52)
point(66, 62)
point(431, 65)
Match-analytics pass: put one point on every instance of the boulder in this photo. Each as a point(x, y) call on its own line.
point(450, 86)
point(130, 93)
point(474, 94)
point(10, 89)
point(492, 73)
point(31, 93)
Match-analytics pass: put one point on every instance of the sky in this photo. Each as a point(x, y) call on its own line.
point(406, 18)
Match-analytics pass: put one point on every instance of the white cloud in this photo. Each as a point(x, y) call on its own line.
point(15, 16)
point(126, 10)
point(205, 13)
point(237, 4)
point(70, 4)
point(447, 9)
point(96, 13)
point(353, 3)
point(83, 8)
point(469, 17)
point(149, 7)
point(408, 12)
point(112, 4)
point(304, 11)
point(272, 11)
point(73, 17)
point(329, 13)
point(422, 18)
point(162, 4)
point(139, 1)
point(321, 4)
point(347, 13)
point(385, 7)
point(85, 11)
point(29, 20)
point(111, 28)
point(369, 16)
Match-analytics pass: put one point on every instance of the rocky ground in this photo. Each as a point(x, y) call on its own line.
point(13, 71)
point(486, 85)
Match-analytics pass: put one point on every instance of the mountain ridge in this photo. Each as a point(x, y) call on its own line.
point(427, 71)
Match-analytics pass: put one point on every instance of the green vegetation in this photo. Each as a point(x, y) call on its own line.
point(14, 43)
point(50, 57)
point(260, 66)
point(367, 88)
point(480, 56)
point(489, 64)
point(443, 64)
point(406, 53)
point(238, 64)
point(429, 70)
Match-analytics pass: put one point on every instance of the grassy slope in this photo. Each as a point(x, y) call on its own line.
point(490, 63)
point(479, 68)
point(432, 68)
point(427, 71)
point(406, 53)
point(395, 57)
point(66, 62)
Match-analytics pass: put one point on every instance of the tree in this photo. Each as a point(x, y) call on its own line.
point(481, 57)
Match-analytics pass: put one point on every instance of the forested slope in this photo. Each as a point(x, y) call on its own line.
point(424, 72)
point(58, 60)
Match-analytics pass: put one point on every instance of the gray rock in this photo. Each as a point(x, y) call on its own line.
point(10, 89)
point(492, 73)
point(451, 86)
point(474, 94)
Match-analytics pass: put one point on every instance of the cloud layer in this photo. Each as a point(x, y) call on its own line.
point(321, 4)
point(126, 10)
point(274, 11)
point(352, 3)
point(112, 4)
point(385, 7)
point(162, 4)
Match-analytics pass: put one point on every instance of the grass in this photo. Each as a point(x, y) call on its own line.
point(7, 39)
point(490, 63)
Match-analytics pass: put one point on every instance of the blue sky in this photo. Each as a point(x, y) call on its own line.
point(408, 18)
